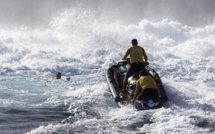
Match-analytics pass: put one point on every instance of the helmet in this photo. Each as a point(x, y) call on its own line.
point(134, 42)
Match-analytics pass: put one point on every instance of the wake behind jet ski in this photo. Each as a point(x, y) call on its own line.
point(115, 76)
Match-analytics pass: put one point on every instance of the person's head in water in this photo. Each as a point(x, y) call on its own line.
point(134, 42)
point(58, 75)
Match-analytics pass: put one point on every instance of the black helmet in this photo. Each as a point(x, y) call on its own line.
point(134, 42)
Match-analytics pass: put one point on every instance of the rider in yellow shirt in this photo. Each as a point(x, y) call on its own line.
point(146, 88)
point(136, 59)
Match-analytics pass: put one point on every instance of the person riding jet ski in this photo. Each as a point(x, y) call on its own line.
point(146, 88)
point(136, 59)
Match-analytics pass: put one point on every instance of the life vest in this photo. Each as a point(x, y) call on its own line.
point(147, 82)
point(136, 54)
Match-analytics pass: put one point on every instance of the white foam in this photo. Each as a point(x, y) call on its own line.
point(82, 46)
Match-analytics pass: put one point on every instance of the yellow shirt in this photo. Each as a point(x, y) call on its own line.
point(136, 54)
point(147, 82)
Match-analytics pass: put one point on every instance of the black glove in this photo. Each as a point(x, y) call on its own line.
point(147, 63)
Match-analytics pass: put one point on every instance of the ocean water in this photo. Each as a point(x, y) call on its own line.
point(82, 45)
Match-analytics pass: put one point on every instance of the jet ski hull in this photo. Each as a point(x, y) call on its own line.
point(115, 75)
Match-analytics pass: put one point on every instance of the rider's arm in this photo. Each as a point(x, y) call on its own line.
point(126, 54)
point(145, 56)
point(136, 90)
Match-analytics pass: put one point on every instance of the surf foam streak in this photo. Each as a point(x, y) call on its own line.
point(83, 46)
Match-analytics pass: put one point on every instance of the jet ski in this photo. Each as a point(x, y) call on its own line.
point(115, 76)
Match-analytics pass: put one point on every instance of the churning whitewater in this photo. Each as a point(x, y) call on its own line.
point(82, 45)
